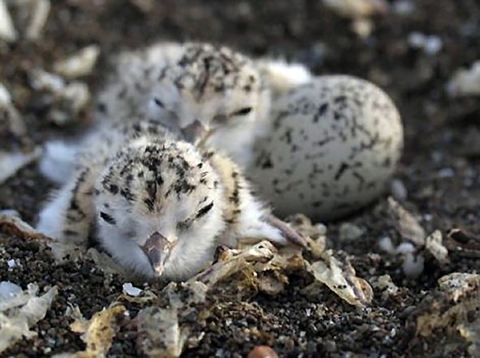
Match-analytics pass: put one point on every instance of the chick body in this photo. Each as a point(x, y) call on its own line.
point(136, 180)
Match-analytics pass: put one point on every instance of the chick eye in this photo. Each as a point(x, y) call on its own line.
point(109, 219)
point(220, 118)
point(183, 225)
point(243, 111)
point(158, 102)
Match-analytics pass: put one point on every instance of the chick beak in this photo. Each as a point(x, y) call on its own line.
point(197, 132)
point(194, 130)
point(158, 249)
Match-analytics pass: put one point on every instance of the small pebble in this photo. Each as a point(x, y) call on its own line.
point(398, 190)
point(403, 7)
point(262, 352)
point(130, 290)
point(385, 243)
point(446, 173)
point(350, 232)
point(431, 45)
point(413, 265)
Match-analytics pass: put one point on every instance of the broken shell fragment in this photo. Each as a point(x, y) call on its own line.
point(159, 333)
point(20, 311)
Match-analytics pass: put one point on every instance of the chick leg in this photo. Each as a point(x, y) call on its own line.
point(290, 234)
point(260, 224)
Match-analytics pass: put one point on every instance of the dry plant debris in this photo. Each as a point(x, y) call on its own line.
point(79, 64)
point(32, 16)
point(160, 334)
point(340, 278)
point(164, 325)
point(12, 130)
point(415, 244)
point(67, 101)
point(450, 312)
point(7, 30)
point(20, 311)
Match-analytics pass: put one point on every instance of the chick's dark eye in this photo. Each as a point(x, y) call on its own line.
point(219, 118)
point(243, 111)
point(158, 102)
point(109, 219)
point(183, 225)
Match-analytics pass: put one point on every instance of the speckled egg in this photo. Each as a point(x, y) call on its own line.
point(333, 146)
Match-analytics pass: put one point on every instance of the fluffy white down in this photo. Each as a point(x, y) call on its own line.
point(283, 76)
point(193, 251)
point(51, 217)
point(58, 161)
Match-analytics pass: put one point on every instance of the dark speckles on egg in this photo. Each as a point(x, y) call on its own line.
point(338, 133)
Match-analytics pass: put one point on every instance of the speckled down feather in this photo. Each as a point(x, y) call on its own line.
point(135, 182)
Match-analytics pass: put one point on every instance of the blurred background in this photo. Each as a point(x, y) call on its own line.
point(411, 49)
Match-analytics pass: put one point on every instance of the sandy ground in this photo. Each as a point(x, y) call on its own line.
point(439, 171)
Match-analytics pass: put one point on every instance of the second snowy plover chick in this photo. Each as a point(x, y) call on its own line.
point(156, 204)
point(215, 94)
point(142, 87)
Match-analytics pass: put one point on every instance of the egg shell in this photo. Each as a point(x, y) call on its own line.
point(332, 149)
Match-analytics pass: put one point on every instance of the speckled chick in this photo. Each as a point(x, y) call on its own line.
point(157, 204)
point(334, 145)
point(212, 93)
point(205, 90)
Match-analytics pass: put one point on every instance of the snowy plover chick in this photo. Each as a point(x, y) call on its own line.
point(215, 94)
point(212, 91)
point(158, 205)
